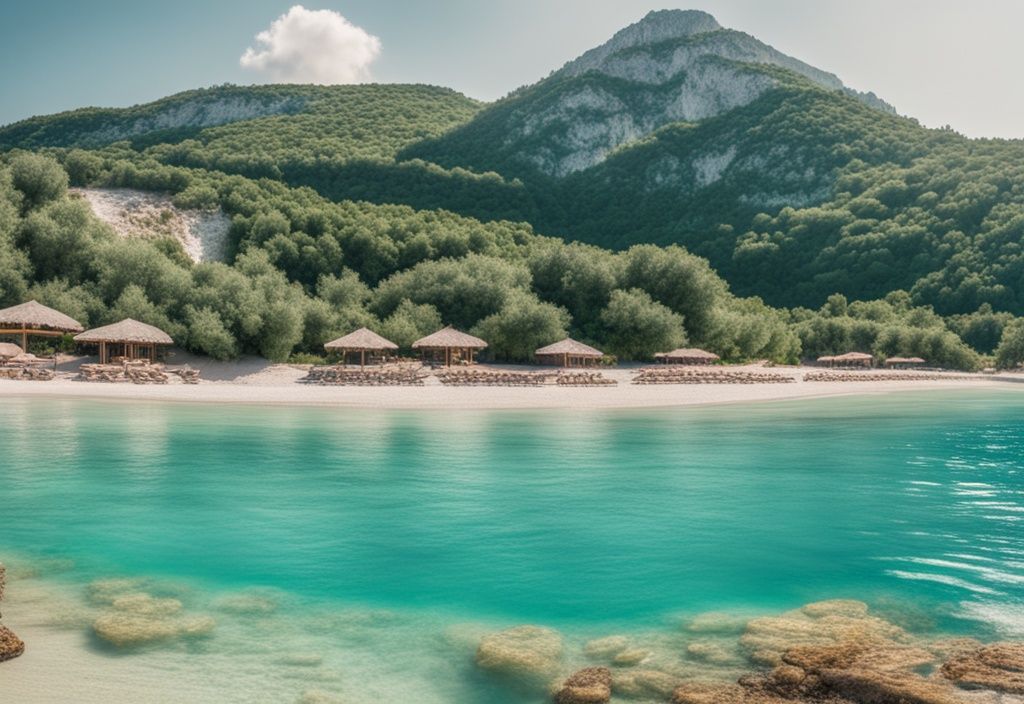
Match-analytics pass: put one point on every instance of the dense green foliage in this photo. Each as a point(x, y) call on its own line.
point(306, 270)
point(877, 204)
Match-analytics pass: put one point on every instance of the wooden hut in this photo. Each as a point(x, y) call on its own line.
point(449, 345)
point(362, 341)
point(903, 362)
point(687, 356)
point(129, 339)
point(852, 359)
point(568, 353)
point(33, 319)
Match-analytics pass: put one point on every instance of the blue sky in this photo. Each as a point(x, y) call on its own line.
point(943, 62)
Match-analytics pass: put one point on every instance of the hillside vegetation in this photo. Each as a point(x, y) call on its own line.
point(704, 188)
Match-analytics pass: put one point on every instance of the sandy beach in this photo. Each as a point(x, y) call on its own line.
point(255, 381)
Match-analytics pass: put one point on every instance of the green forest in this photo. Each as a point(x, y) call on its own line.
point(369, 205)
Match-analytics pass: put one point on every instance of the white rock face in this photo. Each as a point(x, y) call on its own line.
point(131, 213)
point(198, 112)
point(672, 66)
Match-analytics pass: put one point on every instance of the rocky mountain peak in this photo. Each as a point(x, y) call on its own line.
point(657, 26)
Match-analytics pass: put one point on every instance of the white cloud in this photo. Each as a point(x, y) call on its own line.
point(312, 46)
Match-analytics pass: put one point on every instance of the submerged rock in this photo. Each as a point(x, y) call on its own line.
point(11, 646)
point(605, 648)
point(716, 622)
point(999, 666)
point(591, 685)
point(835, 607)
point(643, 684)
point(711, 653)
point(146, 605)
point(766, 638)
point(718, 693)
point(524, 652)
point(630, 657)
point(125, 630)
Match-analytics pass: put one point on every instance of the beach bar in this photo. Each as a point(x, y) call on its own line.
point(33, 319)
point(449, 345)
point(687, 356)
point(568, 353)
point(129, 339)
point(362, 341)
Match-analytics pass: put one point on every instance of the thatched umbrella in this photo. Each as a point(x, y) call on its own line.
point(853, 359)
point(362, 341)
point(450, 340)
point(568, 351)
point(687, 355)
point(132, 336)
point(34, 318)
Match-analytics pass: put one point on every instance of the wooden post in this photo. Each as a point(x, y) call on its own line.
point(362, 359)
point(24, 341)
point(103, 352)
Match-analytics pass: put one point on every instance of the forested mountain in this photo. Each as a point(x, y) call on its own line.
point(401, 206)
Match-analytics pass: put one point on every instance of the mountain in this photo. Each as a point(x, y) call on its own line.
point(674, 131)
point(671, 66)
point(361, 121)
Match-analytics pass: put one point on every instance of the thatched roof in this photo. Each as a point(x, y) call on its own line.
point(361, 339)
point(904, 360)
point(827, 358)
point(36, 316)
point(449, 337)
point(688, 353)
point(9, 350)
point(569, 347)
point(852, 357)
point(128, 330)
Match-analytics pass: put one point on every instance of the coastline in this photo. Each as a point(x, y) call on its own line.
point(278, 385)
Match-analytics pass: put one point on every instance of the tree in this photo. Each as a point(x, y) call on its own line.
point(40, 179)
point(522, 325)
point(1010, 353)
point(636, 326)
point(207, 334)
point(410, 322)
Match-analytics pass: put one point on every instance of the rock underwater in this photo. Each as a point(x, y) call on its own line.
point(11, 646)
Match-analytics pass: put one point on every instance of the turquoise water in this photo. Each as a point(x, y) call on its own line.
point(587, 522)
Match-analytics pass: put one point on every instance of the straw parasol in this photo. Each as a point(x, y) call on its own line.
point(362, 341)
point(853, 358)
point(567, 351)
point(687, 355)
point(450, 340)
point(33, 318)
point(134, 337)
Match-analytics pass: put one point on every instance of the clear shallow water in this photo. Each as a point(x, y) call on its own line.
point(588, 522)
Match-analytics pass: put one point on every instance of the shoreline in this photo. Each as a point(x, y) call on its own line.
point(278, 385)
